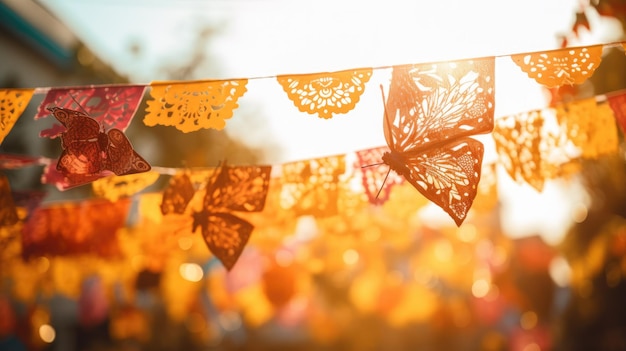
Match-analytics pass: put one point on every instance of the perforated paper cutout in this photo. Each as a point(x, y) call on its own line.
point(310, 187)
point(115, 187)
point(193, 106)
point(590, 126)
point(518, 140)
point(560, 67)
point(12, 103)
point(111, 107)
point(431, 111)
point(326, 94)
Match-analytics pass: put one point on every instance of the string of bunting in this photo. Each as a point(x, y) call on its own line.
point(432, 111)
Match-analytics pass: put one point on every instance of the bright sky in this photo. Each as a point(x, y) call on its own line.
point(264, 38)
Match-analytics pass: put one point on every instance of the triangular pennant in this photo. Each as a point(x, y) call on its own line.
point(12, 103)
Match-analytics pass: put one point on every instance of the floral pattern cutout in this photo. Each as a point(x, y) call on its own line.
point(429, 115)
point(518, 140)
point(190, 106)
point(310, 187)
point(12, 103)
point(560, 67)
point(326, 93)
point(111, 107)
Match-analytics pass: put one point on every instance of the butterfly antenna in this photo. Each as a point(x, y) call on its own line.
point(372, 165)
point(383, 184)
point(81, 107)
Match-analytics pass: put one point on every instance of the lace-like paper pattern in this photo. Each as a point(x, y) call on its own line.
point(12, 103)
point(326, 94)
point(518, 140)
point(193, 106)
point(111, 107)
point(431, 112)
point(115, 187)
point(590, 126)
point(560, 67)
point(310, 187)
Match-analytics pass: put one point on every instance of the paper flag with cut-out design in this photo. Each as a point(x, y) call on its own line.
point(310, 187)
point(115, 187)
point(90, 153)
point(191, 106)
point(590, 126)
point(518, 139)
point(430, 114)
point(618, 105)
point(560, 67)
point(10, 161)
point(8, 211)
point(177, 194)
point(231, 189)
point(12, 103)
point(377, 182)
point(111, 107)
point(74, 229)
point(326, 93)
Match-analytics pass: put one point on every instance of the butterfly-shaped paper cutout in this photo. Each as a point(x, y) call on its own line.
point(429, 115)
point(231, 189)
point(326, 93)
point(90, 153)
point(567, 66)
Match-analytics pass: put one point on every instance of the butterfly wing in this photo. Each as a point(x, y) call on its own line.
point(429, 105)
point(121, 157)
point(177, 194)
point(82, 155)
point(226, 235)
point(448, 176)
point(430, 112)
